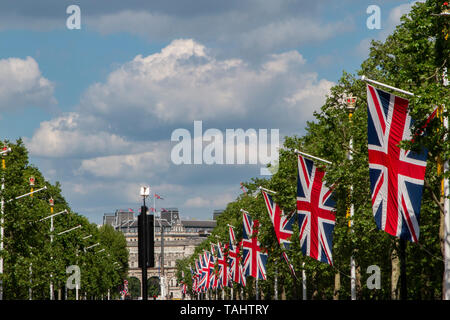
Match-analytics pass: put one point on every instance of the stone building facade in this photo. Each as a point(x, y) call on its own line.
point(179, 239)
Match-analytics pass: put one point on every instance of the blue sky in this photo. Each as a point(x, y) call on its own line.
point(97, 106)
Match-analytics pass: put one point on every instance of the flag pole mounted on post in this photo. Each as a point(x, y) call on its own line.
point(364, 78)
point(312, 157)
point(445, 192)
point(351, 105)
point(385, 205)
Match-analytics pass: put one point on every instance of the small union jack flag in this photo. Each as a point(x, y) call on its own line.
point(396, 175)
point(254, 259)
point(158, 197)
point(203, 274)
point(282, 224)
point(209, 258)
point(223, 266)
point(234, 259)
point(315, 206)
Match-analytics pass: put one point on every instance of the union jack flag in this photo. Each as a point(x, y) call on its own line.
point(183, 288)
point(396, 175)
point(236, 272)
point(254, 259)
point(282, 225)
point(209, 258)
point(223, 266)
point(194, 277)
point(203, 274)
point(315, 206)
point(214, 280)
point(158, 197)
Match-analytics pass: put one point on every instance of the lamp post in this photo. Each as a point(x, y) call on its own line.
point(3, 153)
point(31, 180)
point(144, 192)
point(445, 190)
point(351, 105)
point(51, 239)
point(65, 288)
point(162, 278)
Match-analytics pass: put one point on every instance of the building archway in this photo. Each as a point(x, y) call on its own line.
point(153, 287)
point(134, 287)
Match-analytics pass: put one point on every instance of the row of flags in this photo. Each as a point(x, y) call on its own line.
point(396, 182)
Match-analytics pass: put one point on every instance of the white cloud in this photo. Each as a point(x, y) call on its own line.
point(184, 82)
point(66, 137)
point(118, 137)
point(217, 201)
point(22, 84)
point(259, 27)
point(128, 166)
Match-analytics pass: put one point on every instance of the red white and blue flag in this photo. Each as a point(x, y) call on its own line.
point(254, 260)
point(223, 267)
point(234, 259)
point(214, 280)
point(396, 175)
point(203, 275)
point(315, 206)
point(282, 224)
point(194, 276)
point(209, 258)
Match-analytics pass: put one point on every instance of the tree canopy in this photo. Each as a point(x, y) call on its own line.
point(412, 58)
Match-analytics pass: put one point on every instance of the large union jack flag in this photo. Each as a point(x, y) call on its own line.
point(396, 175)
point(254, 260)
point(236, 272)
point(282, 224)
point(315, 206)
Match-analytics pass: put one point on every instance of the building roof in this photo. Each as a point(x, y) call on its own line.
point(199, 223)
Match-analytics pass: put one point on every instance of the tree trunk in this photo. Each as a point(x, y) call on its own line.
point(337, 285)
point(395, 274)
point(442, 242)
point(358, 283)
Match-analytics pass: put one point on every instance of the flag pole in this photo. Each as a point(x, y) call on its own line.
point(267, 190)
point(312, 157)
point(351, 105)
point(364, 78)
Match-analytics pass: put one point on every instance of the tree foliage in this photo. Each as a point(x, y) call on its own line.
point(31, 260)
point(412, 58)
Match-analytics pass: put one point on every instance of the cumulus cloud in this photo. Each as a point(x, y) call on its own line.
point(185, 82)
point(22, 84)
point(216, 202)
point(118, 136)
point(127, 166)
point(67, 136)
